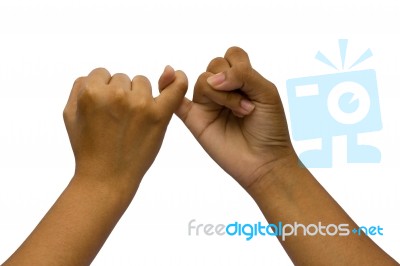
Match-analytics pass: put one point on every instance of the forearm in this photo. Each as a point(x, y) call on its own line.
point(290, 194)
point(77, 225)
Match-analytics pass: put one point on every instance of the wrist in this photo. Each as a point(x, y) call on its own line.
point(279, 176)
point(121, 187)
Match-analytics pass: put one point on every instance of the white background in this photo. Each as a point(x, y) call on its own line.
point(45, 45)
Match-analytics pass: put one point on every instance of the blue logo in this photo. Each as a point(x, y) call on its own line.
point(250, 230)
point(344, 103)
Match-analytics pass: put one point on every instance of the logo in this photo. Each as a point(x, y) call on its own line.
point(338, 104)
point(250, 230)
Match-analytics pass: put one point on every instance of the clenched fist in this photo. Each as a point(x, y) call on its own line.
point(237, 116)
point(115, 125)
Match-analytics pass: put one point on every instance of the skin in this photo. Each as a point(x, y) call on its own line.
point(237, 116)
point(116, 128)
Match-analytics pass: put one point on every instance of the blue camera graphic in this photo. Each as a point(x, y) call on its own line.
point(325, 106)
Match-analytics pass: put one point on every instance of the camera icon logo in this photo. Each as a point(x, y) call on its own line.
point(325, 106)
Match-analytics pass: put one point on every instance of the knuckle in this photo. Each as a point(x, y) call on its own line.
point(117, 101)
point(118, 95)
point(181, 74)
point(121, 75)
point(79, 82)
point(244, 68)
point(203, 77)
point(273, 86)
point(234, 50)
point(243, 72)
point(201, 83)
point(86, 95)
point(216, 62)
point(140, 106)
point(101, 70)
point(141, 78)
point(181, 81)
point(273, 89)
point(65, 114)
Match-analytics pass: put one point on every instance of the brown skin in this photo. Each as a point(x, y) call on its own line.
point(254, 147)
point(116, 128)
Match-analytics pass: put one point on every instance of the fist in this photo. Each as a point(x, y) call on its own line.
point(115, 125)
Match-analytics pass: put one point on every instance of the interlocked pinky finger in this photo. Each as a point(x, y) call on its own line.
point(233, 100)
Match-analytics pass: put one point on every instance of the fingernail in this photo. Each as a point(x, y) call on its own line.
point(247, 106)
point(216, 80)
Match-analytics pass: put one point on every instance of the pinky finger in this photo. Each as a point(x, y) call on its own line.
point(236, 102)
point(167, 77)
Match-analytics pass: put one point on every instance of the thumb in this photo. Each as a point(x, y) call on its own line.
point(172, 94)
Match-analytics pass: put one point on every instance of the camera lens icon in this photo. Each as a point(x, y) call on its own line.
point(348, 103)
point(340, 104)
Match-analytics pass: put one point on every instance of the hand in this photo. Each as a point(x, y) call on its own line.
point(115, 125)
point(116, 128)
point(238, 118)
